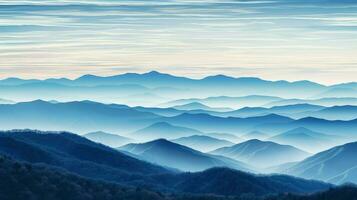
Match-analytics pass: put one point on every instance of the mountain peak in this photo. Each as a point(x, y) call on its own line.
point(160, 141)
point(161, 124)
point(153, 73)
point(262, 153)
point(37, 101)
point(219, 77)
point(87, 76)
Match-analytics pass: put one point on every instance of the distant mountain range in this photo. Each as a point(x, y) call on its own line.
point(343, 129)
point(332, 101)
point(163, 130)
point(202, 142)
point(288, 110)
point(262, 153)
point(81, 117)
point(337, 165)
point(208, 123)
point(87, 116)
point(228, 101)
point(108, 139)
point(165, 153)
point(346, 112)
point(154, 83)
point(306, 139)
point(200, 106)
point(255, 135)
point(295, 111)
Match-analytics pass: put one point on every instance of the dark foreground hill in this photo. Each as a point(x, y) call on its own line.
point(27, 181)
point(76, 154)
point(91, 160)
point(347, 192)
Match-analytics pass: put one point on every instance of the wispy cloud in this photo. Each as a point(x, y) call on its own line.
point(76, 37)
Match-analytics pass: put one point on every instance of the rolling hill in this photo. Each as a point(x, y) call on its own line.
point(81, 117)
point(262, 154)
point(255, 135)
point(108, 139)
point(200, 106)
point(163, 130)
point(169, 154)
point(346, 112)
point(62, 152)
point(228, 101)
point(25, 180)
point(212, 124)
point(21, 180)
point(306, 139)
point(293, 110)
point(75, 154)
point(328, 102)
point(202, 143)
point(336, 165)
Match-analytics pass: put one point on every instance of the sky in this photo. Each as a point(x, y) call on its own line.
point(272, 39)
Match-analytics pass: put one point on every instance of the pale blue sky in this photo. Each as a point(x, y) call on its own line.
point(278, 39)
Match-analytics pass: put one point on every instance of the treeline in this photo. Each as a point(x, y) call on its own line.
point(346, 192)
point(25, 181)
point(21, 180)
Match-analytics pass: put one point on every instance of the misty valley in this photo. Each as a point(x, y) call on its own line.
point(159, 136)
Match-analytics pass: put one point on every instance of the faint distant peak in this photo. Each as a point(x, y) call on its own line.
point(162, 124)
point(87, 76)
point(219, 77)
point(154, 73)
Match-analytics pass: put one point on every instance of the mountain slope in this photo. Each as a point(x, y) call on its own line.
point(226, 181)
point(26, 181)
point(163, 130)
point(228, 101)
point(75, 154)
point(200, 106)
point(262, 154)
point(293, 110)
point(165, 153)
point(202, 143)
point(338, 128)
point(81, 117)
point(336, 113)
point(305, 139)
point(336, 165)
point(255, 135)
point(208, 123)
point(322, 102)
point(72, 153)
point(108, 139)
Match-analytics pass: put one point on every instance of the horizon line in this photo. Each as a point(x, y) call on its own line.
point(178, 76)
